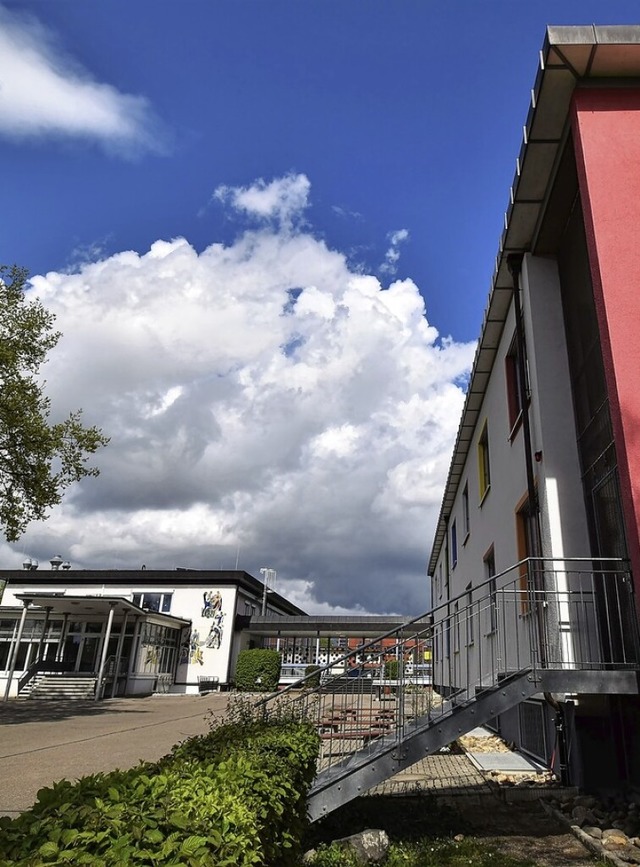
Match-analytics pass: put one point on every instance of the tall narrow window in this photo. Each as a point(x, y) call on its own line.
point(470, 612)
point(528, 541)
point(515, 397)
point(490, 574)
point(484, 467)
point(454, 545)
point(456, 627)
point(466, 526)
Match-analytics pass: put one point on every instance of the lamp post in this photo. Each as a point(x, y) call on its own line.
point(269, 575)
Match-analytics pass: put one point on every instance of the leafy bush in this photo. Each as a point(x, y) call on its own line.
point(258, 670)
point(312, 682)
point(392, 669)
point(235, 797)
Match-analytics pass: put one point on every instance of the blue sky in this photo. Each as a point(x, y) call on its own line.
point(380, 134)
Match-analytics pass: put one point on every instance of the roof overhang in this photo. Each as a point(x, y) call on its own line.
point(571, 57)
point(366, 627)
point(95, 606)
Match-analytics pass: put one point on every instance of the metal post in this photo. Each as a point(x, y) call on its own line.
point(119, 654)
point(105, 648)
point(47, 612)
point(63, 630)
point(16, 649)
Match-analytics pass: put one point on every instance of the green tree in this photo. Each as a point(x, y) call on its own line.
point(38, 459)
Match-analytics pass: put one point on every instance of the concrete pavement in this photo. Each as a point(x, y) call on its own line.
point(45, 741)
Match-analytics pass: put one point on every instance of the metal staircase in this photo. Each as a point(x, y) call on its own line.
point(543, 626)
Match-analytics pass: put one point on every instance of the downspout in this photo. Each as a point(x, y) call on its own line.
point(514, 263)
point(447, 644)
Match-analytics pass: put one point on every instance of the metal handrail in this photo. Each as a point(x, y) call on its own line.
point(540, 614)
point(431, 615)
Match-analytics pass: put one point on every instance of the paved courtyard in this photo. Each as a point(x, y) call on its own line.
point(45, 741)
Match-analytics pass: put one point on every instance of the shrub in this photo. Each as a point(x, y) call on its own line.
point(392, 669)
point(235, 797)
point(312, 682)
point(258, 670)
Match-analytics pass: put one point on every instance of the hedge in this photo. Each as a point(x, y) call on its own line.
point(235, 797)
point(312, 682)
point(258, 670)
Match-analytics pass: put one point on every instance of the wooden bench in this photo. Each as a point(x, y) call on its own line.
point(365, 735)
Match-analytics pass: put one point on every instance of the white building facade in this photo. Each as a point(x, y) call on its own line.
point(136, 632)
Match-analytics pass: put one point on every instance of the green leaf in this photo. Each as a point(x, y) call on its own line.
point(48, 849)
point(179, 820)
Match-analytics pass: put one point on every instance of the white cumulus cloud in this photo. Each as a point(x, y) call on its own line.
point(43, 92)
point(281, 200)
point(263, 401)
point(390, 265)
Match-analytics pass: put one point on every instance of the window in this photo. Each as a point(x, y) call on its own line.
point(440, 581)
point(456, 627)
point(484, 468)
point(532, 729)
point(465, 512)
point(528, 542)
point(489, 573)
point(515, 396)
point(471, 628)
point(160, 602)
point(454, 545)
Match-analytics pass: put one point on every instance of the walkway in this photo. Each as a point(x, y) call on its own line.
point(45, 741)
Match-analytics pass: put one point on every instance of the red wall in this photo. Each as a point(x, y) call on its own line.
point(606, 132)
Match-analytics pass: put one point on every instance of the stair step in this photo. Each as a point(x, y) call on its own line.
point(74, 687)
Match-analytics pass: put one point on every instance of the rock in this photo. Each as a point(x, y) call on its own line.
point(629, 853)
point(583, 816)
point(592, 831)
point(614, 839)
point(309, 857)
point(584, 801)
point(579, 815)
point(459, 838)
point(370, 846)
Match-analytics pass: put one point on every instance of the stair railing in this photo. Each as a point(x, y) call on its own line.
point(540, 613)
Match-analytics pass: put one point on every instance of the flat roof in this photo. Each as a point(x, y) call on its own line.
point(148, 578)
point(571, 57)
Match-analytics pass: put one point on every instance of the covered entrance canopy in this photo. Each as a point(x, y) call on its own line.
point(92, 634)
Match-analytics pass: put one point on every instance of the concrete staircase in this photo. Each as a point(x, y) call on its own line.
point(52, 687)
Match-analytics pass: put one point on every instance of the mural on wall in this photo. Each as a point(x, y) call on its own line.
point(195, 648)
point(212, 603)
point(192, 647)
point(214, 638)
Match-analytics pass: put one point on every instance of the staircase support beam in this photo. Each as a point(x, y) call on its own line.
point(340, 785)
